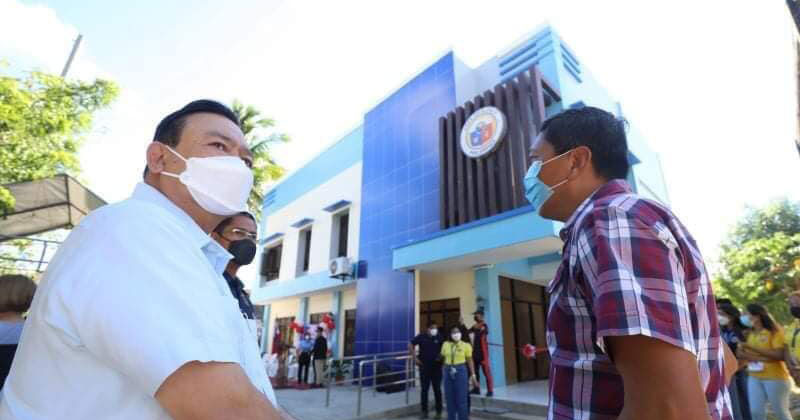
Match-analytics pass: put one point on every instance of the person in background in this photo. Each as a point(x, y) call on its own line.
point(304, 348)
point(457, 357)
point(430, 367)
point(16, 295)
point(792, 356)
point(237, 234)
point(320, 353)
point(480, 353)
point(769, 377)
point(733, 332)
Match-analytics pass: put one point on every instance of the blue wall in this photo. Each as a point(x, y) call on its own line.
point(400, 201)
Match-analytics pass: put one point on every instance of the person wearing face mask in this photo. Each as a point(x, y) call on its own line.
point(768, 376)
point(304, 358)
point(459, 373)
point(733, 332)
point(134, 313)
point(430, 367)
point(632, 325)
point(480, 353)
point(238, 235)
point(792, 357)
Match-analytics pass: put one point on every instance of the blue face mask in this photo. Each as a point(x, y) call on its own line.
point(745, 319)
point(536, 191)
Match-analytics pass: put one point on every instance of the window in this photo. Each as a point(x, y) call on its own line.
point(339, 232)
point(349, 332)
point(445, 313)
point(304, 251)
point(271, 263)
point(315, 319)
point(344, 221)
point(287, 333)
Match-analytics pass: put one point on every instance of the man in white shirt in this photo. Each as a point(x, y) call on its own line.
point(133, 319)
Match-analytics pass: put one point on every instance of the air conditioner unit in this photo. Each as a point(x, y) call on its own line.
point(340, 268)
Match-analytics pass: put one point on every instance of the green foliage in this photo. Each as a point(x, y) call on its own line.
point(258, 131)
point(761, 258)
point(43, 118)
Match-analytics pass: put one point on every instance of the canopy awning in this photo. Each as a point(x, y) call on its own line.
point(45, 205)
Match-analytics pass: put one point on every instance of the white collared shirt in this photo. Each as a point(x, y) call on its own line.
point(134, 293)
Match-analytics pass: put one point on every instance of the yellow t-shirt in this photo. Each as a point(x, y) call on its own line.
point(766, 340)
point(456, 353)
point(793, 340)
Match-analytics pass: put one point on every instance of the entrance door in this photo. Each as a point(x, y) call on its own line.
point(349, 332)
point(445, 313)
point(523, 310)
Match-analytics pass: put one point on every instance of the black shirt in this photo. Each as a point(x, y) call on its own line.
point(237, 289)
point(429, 347)
point(320, 350)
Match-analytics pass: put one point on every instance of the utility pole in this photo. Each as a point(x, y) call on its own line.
point(72, 55)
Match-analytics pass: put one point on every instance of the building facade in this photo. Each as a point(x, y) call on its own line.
point(425, 198)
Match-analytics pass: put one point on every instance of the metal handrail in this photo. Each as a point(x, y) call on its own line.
point(330, 361)
point(410, 376)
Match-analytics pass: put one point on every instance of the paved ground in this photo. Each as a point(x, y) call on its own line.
point(310, 404)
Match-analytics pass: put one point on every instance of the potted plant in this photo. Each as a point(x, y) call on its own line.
point(340, 369)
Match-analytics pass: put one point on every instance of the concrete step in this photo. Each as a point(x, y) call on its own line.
point(509, 415)
point(493, 405)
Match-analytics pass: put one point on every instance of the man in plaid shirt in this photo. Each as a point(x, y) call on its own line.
point(632, 325)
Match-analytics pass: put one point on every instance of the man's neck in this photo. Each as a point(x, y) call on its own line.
point(205, 220)
point(584, 192)
point(10, 317)
point(232, 269)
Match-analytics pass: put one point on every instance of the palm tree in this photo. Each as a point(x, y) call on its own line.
point(260, 136)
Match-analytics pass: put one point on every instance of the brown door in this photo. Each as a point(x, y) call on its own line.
point(523, 311)
point(445, 313)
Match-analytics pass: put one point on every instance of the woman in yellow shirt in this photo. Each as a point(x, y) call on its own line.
point(769, 378)
point(457, 358)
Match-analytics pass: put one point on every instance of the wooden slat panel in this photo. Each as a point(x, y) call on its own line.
point(470, 168)
point(443, 222)
point(537, 91)
point(526, 119)
point(461, 166)
point(503, 172)
point(451, 170)
point(490, 161)
point(480, 171)
point(516, 157)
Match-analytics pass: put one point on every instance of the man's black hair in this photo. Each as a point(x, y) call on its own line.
point(599, 130)
point(227, 221)
point(431, 323)
point(724, 301)
point(169, 129)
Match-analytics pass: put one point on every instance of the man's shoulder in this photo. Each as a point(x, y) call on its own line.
point(627, 206)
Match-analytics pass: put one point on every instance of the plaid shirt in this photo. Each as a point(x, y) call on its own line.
point(629, 268)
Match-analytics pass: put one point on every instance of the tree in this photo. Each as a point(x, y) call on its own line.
point(761, 258)
point(43, 119)
point(260, 136)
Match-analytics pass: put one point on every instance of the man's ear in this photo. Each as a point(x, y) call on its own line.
point(155, 158)
point(581, 158)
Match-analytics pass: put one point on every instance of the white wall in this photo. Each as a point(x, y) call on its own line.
point(280, 309)
point(344, 186)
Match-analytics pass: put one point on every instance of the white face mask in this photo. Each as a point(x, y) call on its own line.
point(433, 332)
point(219, 184)
point(723, 320)
point(456, 336)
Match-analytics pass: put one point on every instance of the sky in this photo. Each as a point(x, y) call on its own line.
point(710, 84)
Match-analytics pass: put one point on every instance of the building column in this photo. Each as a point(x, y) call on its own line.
point(336, 310)
point(487, 290)
point(266, 332)
point(302, 311)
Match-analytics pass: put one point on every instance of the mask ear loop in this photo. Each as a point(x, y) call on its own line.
point(170, 174)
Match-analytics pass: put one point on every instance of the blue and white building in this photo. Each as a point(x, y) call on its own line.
point(432, 233)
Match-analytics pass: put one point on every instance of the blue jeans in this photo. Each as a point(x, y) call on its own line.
point(455, 392)
point(776, 391)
